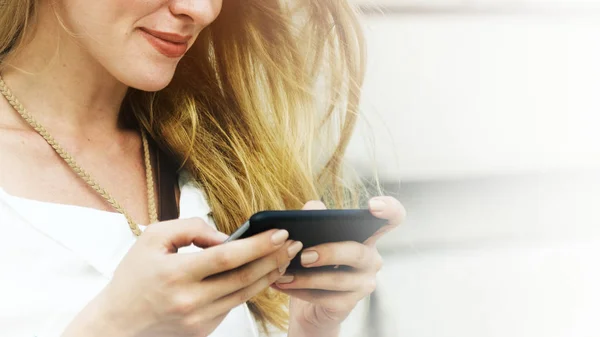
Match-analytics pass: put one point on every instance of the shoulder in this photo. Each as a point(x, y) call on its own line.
point(16, 136)
point(22, 151)
point(10, 119)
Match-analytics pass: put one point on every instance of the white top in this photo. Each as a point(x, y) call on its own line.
point(55, 258)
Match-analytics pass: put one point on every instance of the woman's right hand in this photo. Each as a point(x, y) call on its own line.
point(156, 292)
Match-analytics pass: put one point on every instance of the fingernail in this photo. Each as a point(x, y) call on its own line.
point(283, 268)
point(309, 257)
point(294, 249)
point(377, 205)
point(286, 279)
point(279, 237)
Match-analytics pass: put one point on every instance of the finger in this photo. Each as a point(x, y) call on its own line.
point(175, 234)
point(314, 205)
point(328, 280)
point(385, 208)
point(243, 295)
point(388, 208)
point(229, 282)
point(232, 255)
point(333, 301)
point(372, 240)
point(347, 253)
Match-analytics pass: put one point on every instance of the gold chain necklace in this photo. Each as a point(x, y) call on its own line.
point(152, 213)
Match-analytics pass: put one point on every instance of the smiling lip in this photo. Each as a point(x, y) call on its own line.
point(168, 44)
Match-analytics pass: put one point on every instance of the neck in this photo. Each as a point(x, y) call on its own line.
point(62, 86)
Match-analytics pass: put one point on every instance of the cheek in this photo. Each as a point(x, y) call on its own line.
point(105, 25)
point(106, 30)
point(97, 17)
point(217, 5)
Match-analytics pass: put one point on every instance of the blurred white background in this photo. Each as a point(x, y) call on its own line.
point(484, 115)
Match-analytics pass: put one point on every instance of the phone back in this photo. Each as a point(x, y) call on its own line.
point(315, 227)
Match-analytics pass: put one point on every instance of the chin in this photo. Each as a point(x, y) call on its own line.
point(151, 78)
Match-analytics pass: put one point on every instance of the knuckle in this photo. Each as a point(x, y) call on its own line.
point(153, 234)
point(223, 259)
point(190, 323)
point(182, 304)
point(191, 221)
point(196, 220)
point(200, 222)
point(195, 325)
point(152, 230)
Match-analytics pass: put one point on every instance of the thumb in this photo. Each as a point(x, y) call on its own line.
point(181, 233)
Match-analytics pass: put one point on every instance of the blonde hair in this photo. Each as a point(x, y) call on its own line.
point(252, 109)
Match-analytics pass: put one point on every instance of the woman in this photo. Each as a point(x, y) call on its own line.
point(223, 92)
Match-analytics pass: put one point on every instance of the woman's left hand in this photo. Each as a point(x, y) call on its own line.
point(321, 300)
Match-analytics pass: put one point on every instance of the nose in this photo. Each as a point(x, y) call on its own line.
point(201, 12)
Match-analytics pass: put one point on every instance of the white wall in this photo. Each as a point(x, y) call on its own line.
point(455, 94)
point(506, 256)
point(493, 119)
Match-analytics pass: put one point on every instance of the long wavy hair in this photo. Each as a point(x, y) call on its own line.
point(260, 110)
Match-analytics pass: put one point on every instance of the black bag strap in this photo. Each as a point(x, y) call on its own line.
point(168, 187)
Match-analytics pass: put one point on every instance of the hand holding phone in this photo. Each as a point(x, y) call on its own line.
point(329, 296)
point(314, 227)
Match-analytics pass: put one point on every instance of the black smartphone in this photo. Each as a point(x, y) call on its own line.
point(313, 227)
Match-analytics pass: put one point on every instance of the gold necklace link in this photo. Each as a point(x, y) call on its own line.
point(83, 174)
point(152, 212)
